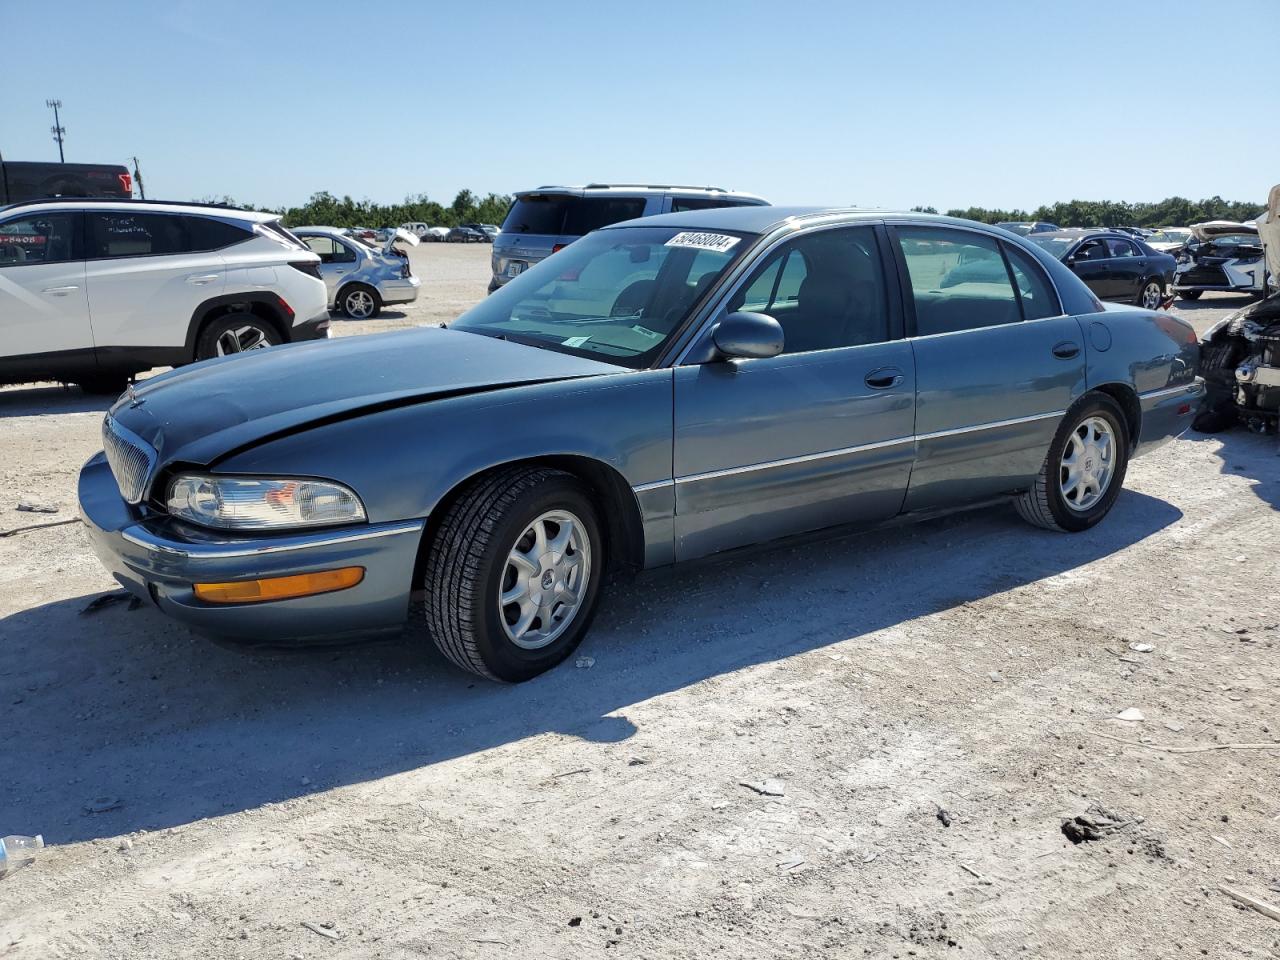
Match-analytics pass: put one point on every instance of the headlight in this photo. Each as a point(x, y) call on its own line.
point(248, 503)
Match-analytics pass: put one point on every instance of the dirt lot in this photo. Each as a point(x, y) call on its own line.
point(370, 801)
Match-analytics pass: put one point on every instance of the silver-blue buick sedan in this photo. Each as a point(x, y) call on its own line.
point(658, 391)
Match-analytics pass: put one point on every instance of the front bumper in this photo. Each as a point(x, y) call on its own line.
point(158, 559)
point(399, 290)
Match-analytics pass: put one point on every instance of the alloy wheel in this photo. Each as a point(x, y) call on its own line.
point(1152, 296)
point(241, 339)
point(358, 304)
point(1088, 463)
point(544, 581)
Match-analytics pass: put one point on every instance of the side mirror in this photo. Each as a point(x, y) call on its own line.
point(748, 335)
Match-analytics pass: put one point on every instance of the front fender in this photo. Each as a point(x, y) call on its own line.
point(402, 462)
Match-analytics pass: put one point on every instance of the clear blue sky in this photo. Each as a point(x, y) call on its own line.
point(998, 104)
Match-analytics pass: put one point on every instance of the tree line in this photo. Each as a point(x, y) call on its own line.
point(324, 209)
point(1171, 212)
point(467, 207)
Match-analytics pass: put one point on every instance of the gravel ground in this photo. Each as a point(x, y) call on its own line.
point(933, 700)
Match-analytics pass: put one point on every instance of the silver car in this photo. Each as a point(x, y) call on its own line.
point(362, 278)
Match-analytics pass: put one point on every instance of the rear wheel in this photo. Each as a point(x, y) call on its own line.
point(234, 334)
point(1151, 295)
point(360, 302)
point(1084, 469)
point(513, 576)
point(1189, 294)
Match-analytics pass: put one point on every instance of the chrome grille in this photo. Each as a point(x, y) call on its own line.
point(131, 458)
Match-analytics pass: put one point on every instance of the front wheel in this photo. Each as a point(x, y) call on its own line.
point(1151, 295)
point(513, 575)
point(1189, 294)
point(1084, 469)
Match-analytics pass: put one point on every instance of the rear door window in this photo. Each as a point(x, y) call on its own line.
point(1038, 298)
point(330, 250)
point(958, 280)
point(114, 235)
point(681, 204)
point(1121, 248)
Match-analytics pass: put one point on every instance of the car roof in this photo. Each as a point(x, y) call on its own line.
point(764, 219)
point(632, 189)
point(141, 206)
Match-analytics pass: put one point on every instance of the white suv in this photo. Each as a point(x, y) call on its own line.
point(95, 291)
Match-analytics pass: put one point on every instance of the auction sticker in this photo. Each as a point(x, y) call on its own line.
point(719, 242)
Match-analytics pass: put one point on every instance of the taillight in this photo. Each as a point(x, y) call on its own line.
point(558, 247)
point(284, 305)
point(310, 267)
point(126, 182)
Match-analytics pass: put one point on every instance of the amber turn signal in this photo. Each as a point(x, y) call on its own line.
point(279, 588)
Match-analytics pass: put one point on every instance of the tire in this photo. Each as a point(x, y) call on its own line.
point(360, 302)
point(469, 565)
point(1189, 294)
point(236, 333)
point(1150, 295)
point(104, 384)
point(1047, 504)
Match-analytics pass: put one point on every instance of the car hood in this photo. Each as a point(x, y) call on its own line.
point(205, 412)
point(1269, 230)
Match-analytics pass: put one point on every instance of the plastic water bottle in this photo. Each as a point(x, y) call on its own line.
point(18, 851)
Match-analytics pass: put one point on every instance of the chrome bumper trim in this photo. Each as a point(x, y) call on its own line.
point(139, 536)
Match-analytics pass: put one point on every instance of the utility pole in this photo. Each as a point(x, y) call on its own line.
point(58, 130)
point(137, 175)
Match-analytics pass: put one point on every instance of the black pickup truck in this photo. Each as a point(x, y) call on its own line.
point(32, 181)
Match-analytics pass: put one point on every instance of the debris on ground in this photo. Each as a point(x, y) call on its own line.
point(29, 506)
point(585, 663)
point(1096, 823)
point(1264, 908)
point(1132, 713)
point(944, 816)
point(324, 929)
point(766, 788)
point(1141, 647)
point(103, 805)
point(37, 526)
point(790, 866)
point(17, 851)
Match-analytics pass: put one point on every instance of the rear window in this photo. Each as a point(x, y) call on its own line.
point(559, 215)
point(206, 234)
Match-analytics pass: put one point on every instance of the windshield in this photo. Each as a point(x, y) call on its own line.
point(1169, 236)
point(615, 295)
point(1058, 246)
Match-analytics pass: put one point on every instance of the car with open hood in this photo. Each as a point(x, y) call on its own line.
point(362, 277)
point(661, 390)
point(1221, 255)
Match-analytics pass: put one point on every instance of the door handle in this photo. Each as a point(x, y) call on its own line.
point(60, 291)
point(1066, 350)
point(884, 378)
point(202, 279)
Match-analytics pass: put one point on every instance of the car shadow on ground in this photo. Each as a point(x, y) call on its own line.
point(38, 400)
point(121, 720)
point(1251, 455)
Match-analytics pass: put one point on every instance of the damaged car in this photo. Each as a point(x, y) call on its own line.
point(1221, 255)
point(361, 277)
point(1241, 353)
point(660, 390)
